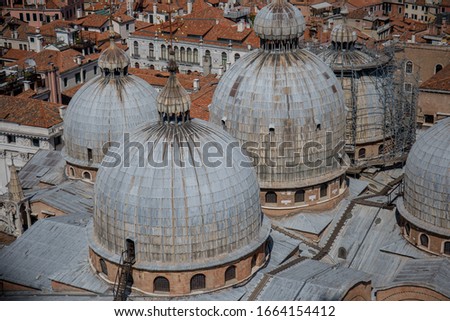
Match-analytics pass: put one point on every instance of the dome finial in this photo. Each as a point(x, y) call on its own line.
point(173, 101)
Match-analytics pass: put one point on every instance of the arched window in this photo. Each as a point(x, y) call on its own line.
point(136, 48)
point(182, 54)
point(151, 51)
point(437, 68)
point(230, 273)
point(407, 229)
point(409, 67)
point(380, 149)
point(424, 240)
point(71, 172)
point(447, 248)
point(177, 53)
point(87, 175)
point(136, 65)
point(362, 153)
point(163, 52)
point(224, 59)
point(195, 56)
point(271, 197)
point(236, 57)
point(189, 55)
point(342, 253)
point(254, 258)
point(161, 284)
point(323, 190)
point(198, 282)
point(103, 267)
point(152, 67)
point(299, 196)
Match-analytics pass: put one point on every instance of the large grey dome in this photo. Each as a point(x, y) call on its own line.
point(290, 97)
point(180, 217)
point(279, 20)
point(102, 111)
point(427, 180)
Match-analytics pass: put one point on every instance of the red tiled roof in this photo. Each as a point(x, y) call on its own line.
point(122, 18)
point(16, 54)
point(440, 81)
point(48, 29)
point(364, 3)
point(93, 20)
point(26, 94)
point(159, 78)
point(138, 25)
point(202, 99)
point(22, 28)
point(64, 60)
point(29, 112)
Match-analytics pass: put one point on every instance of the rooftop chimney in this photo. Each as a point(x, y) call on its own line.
point(26, 85)
point(79, 13)
point(196, 84)
point(189, 6)
point(240, 26)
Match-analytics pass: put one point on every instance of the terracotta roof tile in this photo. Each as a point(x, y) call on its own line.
point(440, 81)
point(22, 28)
point(29, 112)
point(202, 99)
point(26, 94)
point(16, 54)
point(122, 18)
point(93, 20)
point(64, 60)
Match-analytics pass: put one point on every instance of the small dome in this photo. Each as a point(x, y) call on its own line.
point(102, 111)
point(343, 34)
point(294, 97)
point(181, 212)
point(279, 20)
point(113, 58)
point(427, 179)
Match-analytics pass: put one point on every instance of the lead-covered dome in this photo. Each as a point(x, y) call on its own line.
point(279, 20)
point(291, 97)
point(179, 216)
point(427, 180)
point(105, 108)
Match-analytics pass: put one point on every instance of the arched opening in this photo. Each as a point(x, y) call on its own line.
point(135, 48)
point(409, 67)
point(151, 50)
point(177, 53)
point(271, 197)
point(71, 172)
point(323, 190)
point(183, 54)
point(198, 282)
point(342, 253)
point(407, 229)
point(362, 153)
point(381, 149)
point(130, 247)
point(299, 196)
point(195, 56)
point(189, 55)
point(253, 262)
point(224, 60)
point(152, 67)
point(161, 284)
point(447, 248)
point(437, 68)
point(424, 240)
point(87, 175)
point(103, 267)
point(236, 57)
point(136, 65)
point(230, 274)
point(163, 52)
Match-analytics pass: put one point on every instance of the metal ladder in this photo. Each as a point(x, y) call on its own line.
point(124, 280)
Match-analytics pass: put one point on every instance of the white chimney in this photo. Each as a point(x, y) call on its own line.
point(189, 6)
point(196, 84)
point(78, 58)
point(396, 38)
point(228, 65)
point(38, 30)
point(413, 38)
point(240, 26)
point(79, 13)
point(26, 85)
point(220, 71)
